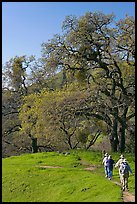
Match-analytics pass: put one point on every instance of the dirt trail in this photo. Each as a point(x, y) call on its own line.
point(52, 167)
point(126, 196)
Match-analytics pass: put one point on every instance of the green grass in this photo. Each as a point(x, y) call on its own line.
point(24, 181)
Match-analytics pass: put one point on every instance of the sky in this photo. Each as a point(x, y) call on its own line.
point(26, 25)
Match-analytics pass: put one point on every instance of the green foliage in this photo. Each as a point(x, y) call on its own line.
point(81, 76)
point(83, 136)
point(85, 74)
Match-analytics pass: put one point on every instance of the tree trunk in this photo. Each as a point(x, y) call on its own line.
point(122, 130)
point(114, 136)
point(114, 140)
point(34, 145)
point(69, 141)
point(64, 78)
point(122, 139)
point(93, 140)
point(122, 135)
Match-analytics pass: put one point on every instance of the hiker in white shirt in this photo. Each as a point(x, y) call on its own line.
point(105, 162)
point(124, 173)
point(118, 163)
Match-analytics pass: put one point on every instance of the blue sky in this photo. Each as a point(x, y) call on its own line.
point(26, 25)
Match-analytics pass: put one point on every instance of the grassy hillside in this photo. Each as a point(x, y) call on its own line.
point(24, 179)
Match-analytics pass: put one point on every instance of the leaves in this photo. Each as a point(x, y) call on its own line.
point(83, 84)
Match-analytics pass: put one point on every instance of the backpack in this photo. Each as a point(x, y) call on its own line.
point(124, 168)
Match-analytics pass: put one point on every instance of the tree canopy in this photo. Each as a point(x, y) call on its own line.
point(83, 86)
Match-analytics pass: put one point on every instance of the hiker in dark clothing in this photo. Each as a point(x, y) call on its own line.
point(110, 167)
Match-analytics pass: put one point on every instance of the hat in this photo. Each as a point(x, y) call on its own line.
point(122, 156)
point(106, 154)
point(124, 161)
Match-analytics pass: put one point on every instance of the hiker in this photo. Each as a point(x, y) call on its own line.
point(118, 163)
point(110, 167)
point(124, 173)
point(105, 162)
